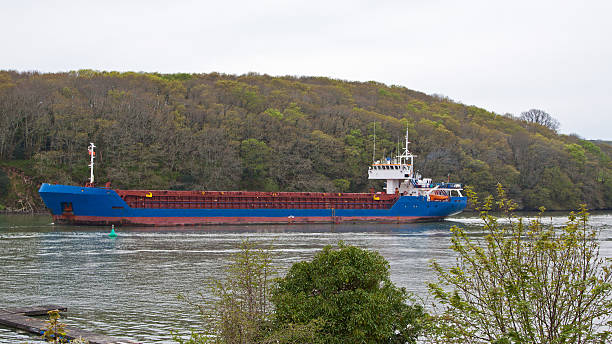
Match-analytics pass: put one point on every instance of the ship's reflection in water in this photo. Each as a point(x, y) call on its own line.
point(128, 286)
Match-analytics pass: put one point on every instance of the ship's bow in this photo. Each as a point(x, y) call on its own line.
point(81, 205)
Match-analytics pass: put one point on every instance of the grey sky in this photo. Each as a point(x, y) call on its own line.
point(503, 56)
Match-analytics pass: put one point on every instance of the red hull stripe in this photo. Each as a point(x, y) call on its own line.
point(185, 221)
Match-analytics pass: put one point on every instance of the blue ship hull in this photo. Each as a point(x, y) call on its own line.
point(97, 206)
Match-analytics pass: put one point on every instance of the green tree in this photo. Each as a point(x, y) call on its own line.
point(255, 156)
point(523, 283)
point(342, 185)
point(577, 152)
point(242, 303)
point(348, 290)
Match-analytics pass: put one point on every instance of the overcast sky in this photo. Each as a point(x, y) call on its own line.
point(506, 56)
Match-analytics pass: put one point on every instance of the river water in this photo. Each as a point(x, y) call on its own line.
point(127, 286)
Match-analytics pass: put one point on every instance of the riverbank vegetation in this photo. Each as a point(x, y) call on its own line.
point(515, 281)
point(258, 132)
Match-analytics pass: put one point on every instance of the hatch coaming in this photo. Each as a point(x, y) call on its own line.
point(169, 199)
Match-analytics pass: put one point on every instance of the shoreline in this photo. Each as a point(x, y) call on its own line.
point(36, 212)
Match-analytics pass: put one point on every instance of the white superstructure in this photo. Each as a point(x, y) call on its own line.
point(401, 179)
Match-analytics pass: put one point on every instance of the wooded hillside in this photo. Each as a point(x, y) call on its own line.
point(257, 132)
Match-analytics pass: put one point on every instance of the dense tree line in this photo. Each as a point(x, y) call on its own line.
point(217, 131)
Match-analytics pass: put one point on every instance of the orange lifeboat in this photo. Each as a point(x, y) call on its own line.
point(434, 197)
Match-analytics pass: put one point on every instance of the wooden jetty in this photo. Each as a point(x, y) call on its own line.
point(22, 318)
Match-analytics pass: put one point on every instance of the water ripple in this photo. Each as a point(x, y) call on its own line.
point(128, 286)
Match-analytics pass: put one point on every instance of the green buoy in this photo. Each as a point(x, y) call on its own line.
point(112, 234)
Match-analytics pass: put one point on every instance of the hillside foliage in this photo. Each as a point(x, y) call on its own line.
point(258, 132)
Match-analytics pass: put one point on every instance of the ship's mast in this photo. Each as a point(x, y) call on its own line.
point(403, 158)
point(92, 155)
point(406, 149)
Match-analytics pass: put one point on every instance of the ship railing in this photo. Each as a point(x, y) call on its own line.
point(454, 186)
point(449, 185)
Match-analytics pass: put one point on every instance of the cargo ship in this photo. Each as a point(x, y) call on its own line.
point(407, 197)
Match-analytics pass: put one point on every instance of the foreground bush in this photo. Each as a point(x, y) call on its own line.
point(348, 290)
